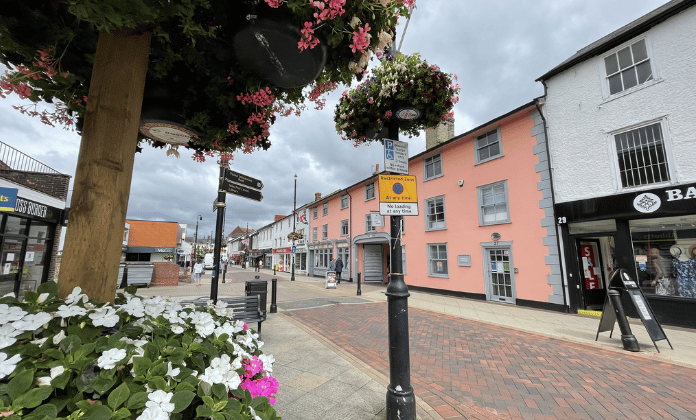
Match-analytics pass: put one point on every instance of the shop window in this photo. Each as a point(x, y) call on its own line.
point(628, 67)
point(488, 146)
point(642, 158)
point(435, 213)
point(16, 225)
point(322, 257)
point(437, 260)
point(432, 167)
point(665, 255)
point(369, 191)
point(493, 204)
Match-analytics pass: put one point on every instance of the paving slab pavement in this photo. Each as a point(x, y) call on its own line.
point(298, 302)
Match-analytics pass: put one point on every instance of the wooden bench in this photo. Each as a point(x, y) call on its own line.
point(246, 308)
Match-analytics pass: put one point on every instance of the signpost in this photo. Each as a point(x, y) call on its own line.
point(396, 156)
point(397, 195)
point(231, 182)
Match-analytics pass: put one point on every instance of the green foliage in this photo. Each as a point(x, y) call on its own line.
point(398, 81)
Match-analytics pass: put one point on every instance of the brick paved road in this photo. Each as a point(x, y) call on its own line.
point(460, 366)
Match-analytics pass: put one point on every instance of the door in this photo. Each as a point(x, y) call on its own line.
point(372, 263)
point(499, 273)
point(592, 273)
point(345, 257)
point(11, 264)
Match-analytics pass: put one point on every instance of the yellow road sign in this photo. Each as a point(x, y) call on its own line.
point(397, 189)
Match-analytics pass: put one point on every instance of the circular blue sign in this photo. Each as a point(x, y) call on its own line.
point(398, 188)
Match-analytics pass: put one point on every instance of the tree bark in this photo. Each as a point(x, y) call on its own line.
point(92, 250)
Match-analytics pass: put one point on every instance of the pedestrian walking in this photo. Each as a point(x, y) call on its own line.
point(332, 264)
point(198, 271)
point(338, 268)
point(260, 265)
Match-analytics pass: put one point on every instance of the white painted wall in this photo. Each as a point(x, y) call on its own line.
point(580, 118)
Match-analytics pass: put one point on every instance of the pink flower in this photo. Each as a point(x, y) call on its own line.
point(308, 40)
point(274, 3)
point(361, 39)
point(388, 114)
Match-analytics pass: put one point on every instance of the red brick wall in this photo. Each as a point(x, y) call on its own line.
point(165, 274)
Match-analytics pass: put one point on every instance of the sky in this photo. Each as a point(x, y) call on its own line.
point(497, 48)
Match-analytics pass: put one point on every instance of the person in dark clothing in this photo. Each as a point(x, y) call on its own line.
point(338, 269)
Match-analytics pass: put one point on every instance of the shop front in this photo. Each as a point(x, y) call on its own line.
point(28, 230)
point(282, 258)
point(651, 233)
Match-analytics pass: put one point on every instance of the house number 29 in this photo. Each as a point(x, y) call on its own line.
point(561, 220)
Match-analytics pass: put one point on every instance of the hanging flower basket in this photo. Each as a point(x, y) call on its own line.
point(295, 236)
point(221, 102)
point(406, 88)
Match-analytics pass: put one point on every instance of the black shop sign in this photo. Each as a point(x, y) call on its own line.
point(667, 201)
point(24, 207)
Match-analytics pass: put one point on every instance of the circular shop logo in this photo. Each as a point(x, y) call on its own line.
point(646, 202)
point(167, 132)
point(408, 114)
point(398, 188)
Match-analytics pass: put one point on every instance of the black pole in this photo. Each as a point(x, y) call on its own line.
point(195, 240)
point(294, 209)
point(274, 285)
point(401, 401)
point(218, 234)
point(359, 291)
point(629, 340)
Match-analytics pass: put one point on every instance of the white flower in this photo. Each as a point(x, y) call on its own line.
point(232, 380)
point(105, 316)
point(154, 413)
point(65, 311)
point(11, 294)
point(33, 322)
point(204, 323)
point(59, 337)
point(75, 296)
point(160, 399)
point(177, 329)
point(134, 307)
point(253, 413)
point(7, 366)
point(7, 335)
point(109, 358)
point(172, 372)
point(43, 297)
point(267, 360)
point(46, 380)
point(11, 313)
point(39, 342)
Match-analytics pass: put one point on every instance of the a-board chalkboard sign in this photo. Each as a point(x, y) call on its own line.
point(621, 280)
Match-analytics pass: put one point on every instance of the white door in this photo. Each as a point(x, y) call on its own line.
point(372, 263)
point(499, 275)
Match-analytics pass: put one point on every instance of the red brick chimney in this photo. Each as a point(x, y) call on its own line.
point(317, 196)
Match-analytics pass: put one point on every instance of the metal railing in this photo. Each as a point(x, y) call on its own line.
point(13, 159)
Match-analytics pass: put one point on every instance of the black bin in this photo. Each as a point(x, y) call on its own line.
point(257, 287)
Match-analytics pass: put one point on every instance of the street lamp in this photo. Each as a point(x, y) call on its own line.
point(195, 239)
point(294, 209)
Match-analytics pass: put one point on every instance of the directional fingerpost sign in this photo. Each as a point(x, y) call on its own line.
point(242, 185)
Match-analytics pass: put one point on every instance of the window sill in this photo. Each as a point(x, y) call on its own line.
point(489, 159)
point(629, 91)
point(495, 223)
point(436, 229)
point(639, 188)
point(440, 276)
point(369, 199)
point(432, 177)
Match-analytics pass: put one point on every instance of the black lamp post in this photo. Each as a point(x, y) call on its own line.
point(294, 209)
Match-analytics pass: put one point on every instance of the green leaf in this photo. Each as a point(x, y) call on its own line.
point(185, 386)
point(132, 290)
point(218, 416)
point(182, 400)
point(45, 412)
point(122, 413)
point(33, 398)
point(61, 381)
point(220, 391)
point(49, 287)
point(70, 344)
point(20, 384)
point(137, 400)
point(141, 365)
point(97, 412)
point(102, 385)
point(158, 382)
point(59, 403)
point(159, 369)
point(118, 396)
point(219, 406)
point(203, 411)
point(208, 400)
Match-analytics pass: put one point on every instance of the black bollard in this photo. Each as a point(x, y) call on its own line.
point(223, 274)
point(629, 340)
point(257, 277)
point(274, 270)
point(359, 291)
point(274, 307)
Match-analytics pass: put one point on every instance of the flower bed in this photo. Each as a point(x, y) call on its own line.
point(141, 358)
point(399, 81)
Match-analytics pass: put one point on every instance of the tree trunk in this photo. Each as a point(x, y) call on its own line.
point(92, 250)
